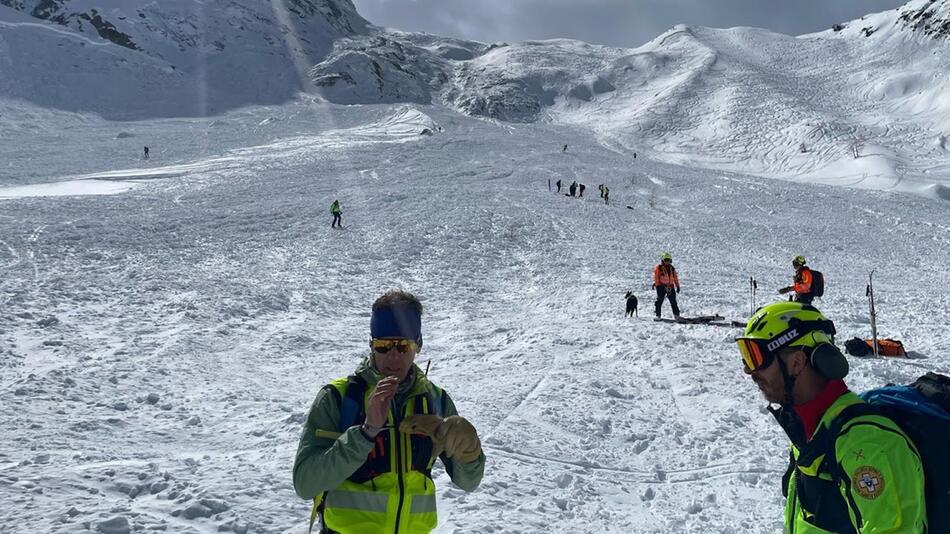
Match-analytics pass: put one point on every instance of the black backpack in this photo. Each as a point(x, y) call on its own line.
point(922, 411)
point(857, 347)
point(817, 283)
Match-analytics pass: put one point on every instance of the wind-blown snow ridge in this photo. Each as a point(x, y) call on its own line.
point(404, 124)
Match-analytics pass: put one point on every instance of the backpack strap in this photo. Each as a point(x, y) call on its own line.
point(825, 442)
point(350, 400)
point(833, 431)
point(437, 399)
point(352, 409)
point(843, 418)
point(333, 390)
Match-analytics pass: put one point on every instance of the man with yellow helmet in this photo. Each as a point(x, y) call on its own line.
point(874, 482)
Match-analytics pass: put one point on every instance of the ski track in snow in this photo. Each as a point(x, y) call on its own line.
point(160, 348)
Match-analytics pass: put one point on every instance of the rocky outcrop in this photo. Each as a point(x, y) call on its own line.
point(931, 19)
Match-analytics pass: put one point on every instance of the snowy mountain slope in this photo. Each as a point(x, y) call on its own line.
point(165, 324)
point(866, 100)
point(174, 58)
point(741, 99)
point(160, 347)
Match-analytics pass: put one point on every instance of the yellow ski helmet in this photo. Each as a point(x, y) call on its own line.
point(782, 325)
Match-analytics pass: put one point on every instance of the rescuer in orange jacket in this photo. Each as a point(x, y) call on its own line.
point(667, 284)
point(802, 283)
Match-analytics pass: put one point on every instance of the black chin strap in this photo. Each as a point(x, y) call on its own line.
point(789, 383)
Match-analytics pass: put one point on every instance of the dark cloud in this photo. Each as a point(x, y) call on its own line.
point(611, 22)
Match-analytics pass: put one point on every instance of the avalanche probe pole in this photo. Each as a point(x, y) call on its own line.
point(755, 292)
point(753, 286)
point(870, 295)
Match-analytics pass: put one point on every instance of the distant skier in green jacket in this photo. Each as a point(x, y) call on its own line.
point(366, 451)
point(875, 481)
point(337, 215)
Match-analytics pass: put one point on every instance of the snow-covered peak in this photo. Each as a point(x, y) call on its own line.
point(140, 58)
point(925, 18)
point(188, 24)
point(932, 17)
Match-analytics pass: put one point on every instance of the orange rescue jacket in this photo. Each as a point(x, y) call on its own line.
point(802, 281)
point(665, 276)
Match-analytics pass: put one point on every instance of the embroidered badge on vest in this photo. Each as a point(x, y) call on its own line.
point(869, 482)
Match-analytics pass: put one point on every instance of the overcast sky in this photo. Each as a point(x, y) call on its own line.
point(628, 23)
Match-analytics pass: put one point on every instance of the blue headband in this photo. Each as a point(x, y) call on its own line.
point(402, 322)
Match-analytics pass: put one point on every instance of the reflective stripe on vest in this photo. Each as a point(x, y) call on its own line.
point(367, 501)
point(423, 504)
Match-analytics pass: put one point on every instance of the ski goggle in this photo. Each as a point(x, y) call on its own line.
point(402, 346)
point(758, 354)
point(755, 354)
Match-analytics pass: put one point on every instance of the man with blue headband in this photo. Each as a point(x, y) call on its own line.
point(367, 449)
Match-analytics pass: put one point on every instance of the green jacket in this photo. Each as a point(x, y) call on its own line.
point(332, 462)
point(874, 483)
point(335, 208)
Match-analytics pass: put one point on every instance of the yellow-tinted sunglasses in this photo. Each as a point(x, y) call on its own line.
point(383, 346)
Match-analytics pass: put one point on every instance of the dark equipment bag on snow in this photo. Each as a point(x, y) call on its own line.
point(858, 347)
point(865, 347)
point(922, 410)
point(817, 283)
point(888, 347)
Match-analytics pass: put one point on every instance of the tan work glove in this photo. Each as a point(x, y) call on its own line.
point(454, 435)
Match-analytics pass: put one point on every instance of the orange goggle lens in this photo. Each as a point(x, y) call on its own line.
point(402, 346)
point(753, 356)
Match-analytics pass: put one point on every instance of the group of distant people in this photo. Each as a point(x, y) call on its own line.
point(573, 189)
point(577, 190)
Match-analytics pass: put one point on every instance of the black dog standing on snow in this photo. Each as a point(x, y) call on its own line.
point(632, 304)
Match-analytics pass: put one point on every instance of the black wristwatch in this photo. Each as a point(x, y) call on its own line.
point(370, 432)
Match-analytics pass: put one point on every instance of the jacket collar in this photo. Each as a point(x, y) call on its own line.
point(813, 412)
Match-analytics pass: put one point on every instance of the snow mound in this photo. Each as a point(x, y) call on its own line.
point(939, 191)
point(69, 188)
point(405, 124)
